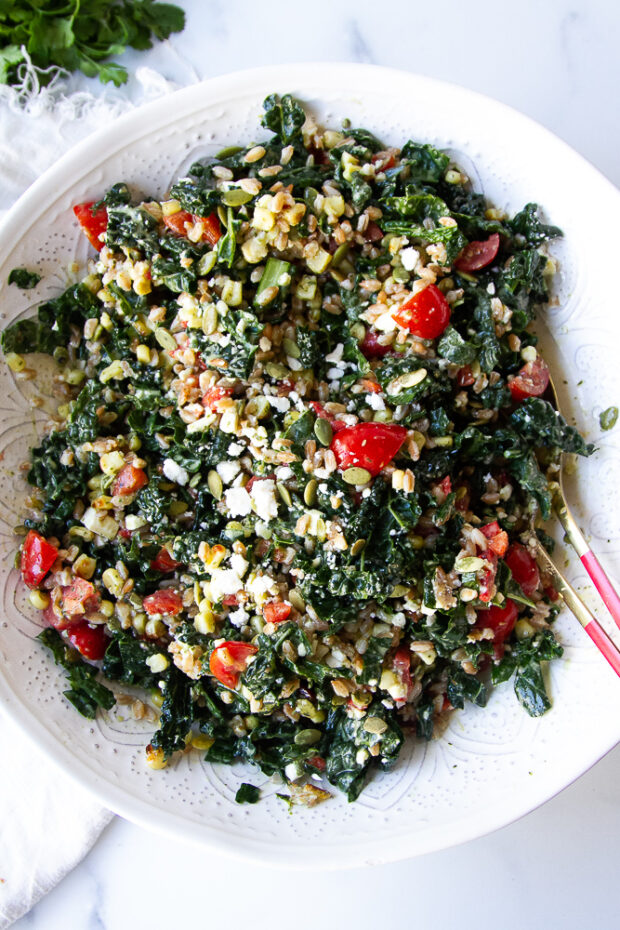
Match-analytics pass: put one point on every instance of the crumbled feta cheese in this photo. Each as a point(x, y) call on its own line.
point(224, 581)
point(175, 472)
point(263, 496)
point(386, 323)
point(238, 501)
point(239, 617)
point(281, 404)
point(283, 473)
point(335, 373)
point(235, 448)
point(239, 564)
point(409, 257)
point(375, 401)
point(228, 471)
point(336, 355)
point(261, 586)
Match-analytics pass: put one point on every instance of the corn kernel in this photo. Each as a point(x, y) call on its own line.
point(170, 207)
point(155, 758)
point(106, 321)
point(113, 370)
point(139, 623)
point(106, 608)
point(201, 741)
point(158, 663)
point(39, 599)
point(113, 581)
point(143, 354)
point(111, 462)
point(85, 566)
point(15, 362)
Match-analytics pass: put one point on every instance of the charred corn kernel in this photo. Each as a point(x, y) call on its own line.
point(102, 502)
point(15, 362)
point(201, 742)
point(106, 608)
point(143, 354)
point(158, 663)
point(113, 581)
point(154, 629)
point(232, 293)
point(106, 321)
point(74, 376)
point(170, 207)
point(39, 599)
point(113, 370)
point(155, 758)
point(212, 556)
point(111, 462)
point(84, 566)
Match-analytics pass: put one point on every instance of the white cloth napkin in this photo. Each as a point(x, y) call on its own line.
point(47, 823)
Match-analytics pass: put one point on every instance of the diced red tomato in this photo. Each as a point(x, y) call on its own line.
point(79, 597)
point(445, 485)
point(163, 561)
point(498, 538)
point(214, 395)
point(230, 600)
point(60, 622)
point(477, 255)
point(124, 533)
point(370, 347)
point(178, 223)
point(499, 619)
point(386, 159)
point(523, 567)
point(531, 381)
point(402, 666)
point(551, 593)
point(90, 641)
point(464, 376)
point(163, 602)
point(371, 387)
point(93, 224)
point(317, 762)
point(426, 314)
point(320, 411)
point(276, 612)
point(129, 480)
point(368, 445)
point(229, 660)
point(37, 558)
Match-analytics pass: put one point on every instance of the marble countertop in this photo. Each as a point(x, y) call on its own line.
point(557, 62)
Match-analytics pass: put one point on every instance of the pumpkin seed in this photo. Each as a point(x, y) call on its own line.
point(235, 197)
point(310, 492)
point(408, 379)
point(357, 546)
point(470, 563)
point(165, 339)
point(291, 348)
point(258, 407)
point(277, 371)
point(228, 151)
point(340, 254)
point(206, 263)
point(296, 600)
point(284, 493)
point(323, 431)
point(209, 320)
point(307, 737)
point(356, 475)
point(215, 485)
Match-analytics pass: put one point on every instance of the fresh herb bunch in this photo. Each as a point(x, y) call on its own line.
point(81, 35)
point(294, 485)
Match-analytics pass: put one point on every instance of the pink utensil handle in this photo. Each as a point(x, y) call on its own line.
point(602, 584)
point(603, 643)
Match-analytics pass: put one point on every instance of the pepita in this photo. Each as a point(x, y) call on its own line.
point(215, 485)
point(310, 492)
point(356, 475)
point(323, 431)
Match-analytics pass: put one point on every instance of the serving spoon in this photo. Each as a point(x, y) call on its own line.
point(577, 540)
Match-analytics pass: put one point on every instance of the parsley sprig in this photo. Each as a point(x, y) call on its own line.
point(81, 35)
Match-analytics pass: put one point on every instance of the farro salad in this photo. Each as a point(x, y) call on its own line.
point(302, 439)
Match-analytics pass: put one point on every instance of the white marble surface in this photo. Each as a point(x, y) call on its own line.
point(556, 61)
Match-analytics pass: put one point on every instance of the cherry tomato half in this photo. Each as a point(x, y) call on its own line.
point(367, 445)
point(477, 255)
point(79, 597)
point(129, 480)
point(229, 660)
point(276, 612)
point(90, 641)
point(37, 558)
point(214, 395)
point(178, 224)
point(426, 314)
point(163, 602)
point(321, 412)
point(531, 381)
point(500, 619)
point(163, 562)
point(498, 538)
point(93, 224)
point(523, 567)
